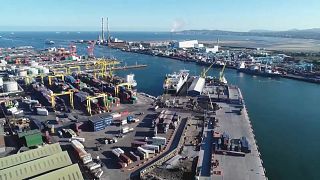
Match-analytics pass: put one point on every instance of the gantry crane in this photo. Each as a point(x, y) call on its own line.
point(89, 98)
point(27, 79)
point(55, 76)
point(57, 71)
point(116, 90)
point(70, 68)
point(54, 95)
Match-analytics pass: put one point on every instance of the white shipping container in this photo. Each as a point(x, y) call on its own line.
point(42, 111)
point(151, 147)
point(78, 139)
point(143, 151)
point(77, 144)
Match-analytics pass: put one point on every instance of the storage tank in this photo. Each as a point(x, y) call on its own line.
point(10, 86)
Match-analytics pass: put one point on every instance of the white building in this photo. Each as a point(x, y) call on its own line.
point(186, 44)
point(215, 49)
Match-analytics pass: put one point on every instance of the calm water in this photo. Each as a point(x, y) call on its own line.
point(285, 113)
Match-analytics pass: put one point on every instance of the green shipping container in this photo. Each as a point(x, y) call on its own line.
point(33, 140)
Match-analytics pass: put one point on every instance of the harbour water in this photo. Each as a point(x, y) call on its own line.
point(285, 114)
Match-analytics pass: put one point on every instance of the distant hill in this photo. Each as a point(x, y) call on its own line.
point(313, 33)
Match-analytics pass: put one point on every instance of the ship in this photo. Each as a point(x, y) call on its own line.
point(258, 70)
point(174, 82)
point(130, 79)
point(49, 42)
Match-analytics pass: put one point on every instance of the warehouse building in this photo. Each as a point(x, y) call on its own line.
point(196, 86)
point(186, 44)
point(44, 163)
point(71, 172)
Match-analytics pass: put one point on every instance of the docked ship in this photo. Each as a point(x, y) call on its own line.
point(258, 70)
point(174, 82)
point(130, 79)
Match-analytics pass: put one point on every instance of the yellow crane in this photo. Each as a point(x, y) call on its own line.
point(27, 79)
point(54, 95)
point(55, 76)
point(70, 68)
point(221, 77)
point(62, 70)
point(116, 90)
point(204, 72)
point(89, 98)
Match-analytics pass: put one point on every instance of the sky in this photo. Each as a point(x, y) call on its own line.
point(158, 15)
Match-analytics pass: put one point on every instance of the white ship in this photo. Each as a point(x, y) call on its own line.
point(174, 82)
point(130, 79)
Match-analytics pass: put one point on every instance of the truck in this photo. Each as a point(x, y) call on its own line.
point(126, 129)
point(124, 122)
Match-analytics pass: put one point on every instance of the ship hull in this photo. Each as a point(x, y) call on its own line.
point(258, 73)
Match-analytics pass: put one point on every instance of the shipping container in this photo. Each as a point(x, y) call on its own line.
point(144, 152)
point(117, 151)
point(133, 156)
point(162, 140)
point(151, 147)
point(141, 155)
point(136, 144)
point(125, 159)
point(42, 111)
point(122, 164)
point(97, 123)
point(82, 154)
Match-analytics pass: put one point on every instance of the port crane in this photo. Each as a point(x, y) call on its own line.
point(55, 76)
point(62, 70)
point(78, 69)
point(89, 98)
point(116, 90)
point(204, 72)
point(222, 79)
point(27, 79)
point(54, 95)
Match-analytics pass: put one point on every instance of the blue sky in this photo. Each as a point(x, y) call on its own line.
point(159, 15)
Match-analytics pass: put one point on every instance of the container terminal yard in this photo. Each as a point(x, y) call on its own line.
point(65, 115)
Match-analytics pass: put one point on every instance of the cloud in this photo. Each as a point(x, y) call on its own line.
point(177, 24)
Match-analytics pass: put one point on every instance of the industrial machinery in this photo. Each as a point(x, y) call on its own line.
point(89, 98)
point(61, 70)
point(204, 72)
point(129, 86)
point(222, 79)
point(55, 76)
point(27, 79)
point(70, 69)
point(54, 95)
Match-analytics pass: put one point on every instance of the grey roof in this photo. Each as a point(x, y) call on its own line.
point(39, 166)
point(30, 155)
point(197, 84)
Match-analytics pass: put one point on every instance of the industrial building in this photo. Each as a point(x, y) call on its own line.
point(196, 87)
point(215, 49)
point(34, 163)
point(186, 44)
